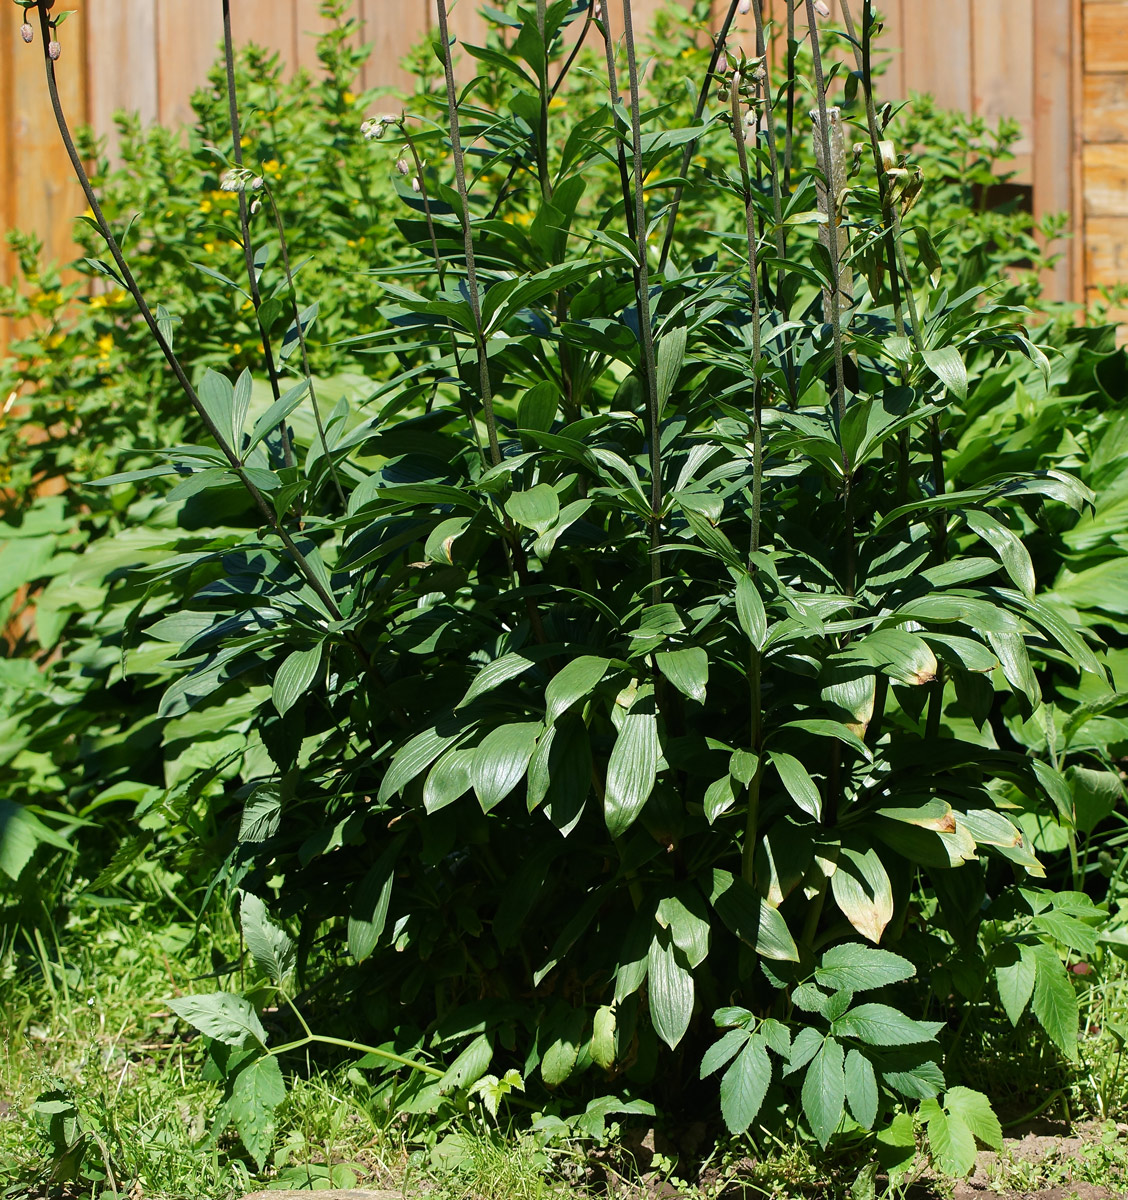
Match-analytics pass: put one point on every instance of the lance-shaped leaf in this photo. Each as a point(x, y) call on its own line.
point(863, 892)
point(670, 989)
point(687, 670)
point(294, 676)
point(633, 766)
point(744, 1085)
point(1008, 546)
point(824, 1091)
point(573, 682)
point(798, 783)
point(500, 760)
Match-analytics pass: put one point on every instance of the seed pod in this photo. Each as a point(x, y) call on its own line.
point(26, 32)
point(54, 50)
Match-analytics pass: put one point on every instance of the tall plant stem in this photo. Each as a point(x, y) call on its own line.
point(835, 313)
point(545, 96)
point(468, 240)
point(691, 147)
point(752, 819)
point(789, 126)
point(646, 331)
point(616, 100)
point(291, 287)
point(245, 226)
point(178, 371)
point(754, 287)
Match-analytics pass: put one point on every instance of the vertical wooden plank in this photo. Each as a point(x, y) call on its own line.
point(1052, 121)
point(189, 35)
point(308, 26)
point(267, 23)
point(891, 48)
point(938, 50)
point(120, 31)
point(8, 47)
point(393, 27)
point(1076, 148)
point(1106, 35)
point(1002, 81)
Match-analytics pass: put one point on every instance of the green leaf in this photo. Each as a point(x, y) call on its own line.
point(439, 547)
point(500, 761)
point(852, 967)
point(1015, 981)
point(228, 1018)
point(744, 1086)
point(448, 780)
point(416, 755)
point(950, 1141)
point(750, 613)
point(217, 396)
point(633, 766)
point(824, 1091)
point(685, 917)
point(1008, 546)
point(798, 783)
point(947, 365)
point(368, 913)
point(861, 1089)
point(270, 945)
point(536, 509)
point(469, 1066)
point(863, 892)
point(603, 1037)
point(719, 798)
point(1055, 1001)
point(573, 682)
point(293, 677)
point(276, 415)
point(256, 1092)
point(559, 1060)
point(670, 990)
point(750, 917)
point(880, 1025)
point(722, 1051)
point(975, 1111)
point(671, 356)
point(494, 674)
point(21, 831)
point(537, 407)
point(687, 670)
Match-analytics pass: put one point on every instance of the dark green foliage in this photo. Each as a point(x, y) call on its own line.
point(553, 765)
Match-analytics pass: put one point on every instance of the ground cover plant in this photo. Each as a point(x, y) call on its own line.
point(642, 684)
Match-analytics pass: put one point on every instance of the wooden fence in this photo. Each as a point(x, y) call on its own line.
point(1060, 67)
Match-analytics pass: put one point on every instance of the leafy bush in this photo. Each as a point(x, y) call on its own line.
point(640, 676)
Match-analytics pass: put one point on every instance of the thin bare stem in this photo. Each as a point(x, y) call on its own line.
point(616, 100)
point(789, 127)
point(304, 348)
point(646, 331)
point(691, 147)
point(181, 377)
point(468, 240)
point(245, 226)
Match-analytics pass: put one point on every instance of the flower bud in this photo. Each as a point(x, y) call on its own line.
point(54, 50)
point(26, 32)
point(372, 129)
point(256, 206)
point(403, 166)
point(416, 184)
point(744, 7)
point(821, 8)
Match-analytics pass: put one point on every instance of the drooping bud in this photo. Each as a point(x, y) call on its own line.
point(256, 205)
point(26, 32)
point(240, 180)
point(403, 166)
point(416, 184)
point(372, 129)
point(744, 7)
point(821, 8)
point(54, 50)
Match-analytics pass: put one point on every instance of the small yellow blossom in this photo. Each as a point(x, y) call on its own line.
point(247, 306)
point(205, 206)
point(209, 247)
point(349, 98)
point(244, 141)
point(272, 167)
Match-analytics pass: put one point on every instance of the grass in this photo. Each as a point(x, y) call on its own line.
point(100, 1090)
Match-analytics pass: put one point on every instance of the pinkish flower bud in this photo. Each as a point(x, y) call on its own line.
point(54, 50)
point(821, 8)
point(26, 32)
point(416, 184)
point(403, 166)
point(744, 7)
point(256, 206)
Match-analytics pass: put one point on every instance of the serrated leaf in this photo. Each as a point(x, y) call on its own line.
point(671, 991)
point(1055, 1001)
point(744, 1086)
point(880, 1025)
point(853, 967)
point(861, 1089)
point(293, 677)
point(469, 1066)
point(228, 1018)
point(951, 1143)
point(722, 1050)
point(975, 1111)
point(687, 670)
point(1015, 981)
point(824, 1091)
point(256, 1092)
point(270, 945)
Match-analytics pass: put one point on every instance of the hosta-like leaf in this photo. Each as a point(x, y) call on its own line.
point(294, 676)
point(670, 989)
point(448, 779)
point(500, 760)
point(1008, 546)
point(948, 366)
point(750, 612)
point(684, 915)
point(863, 892)
point(632, 768)
point(573, 682)
point(750, 917)
point(687, 670)
point(493, 675)
point(536, 509)
point(559, 1059)
point(798, 783)
point(603, 1037)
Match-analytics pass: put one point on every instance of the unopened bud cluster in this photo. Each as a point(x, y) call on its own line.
point(375, 127)
point(240, 180)
point(27, 33)
point(742, 75)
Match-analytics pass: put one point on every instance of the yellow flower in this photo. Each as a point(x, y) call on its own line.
point(205, 206)
point(247, 306)
point(349, 98)
point(272, 167)
point(244, 141)
point(209, 247)
point(557, 102)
